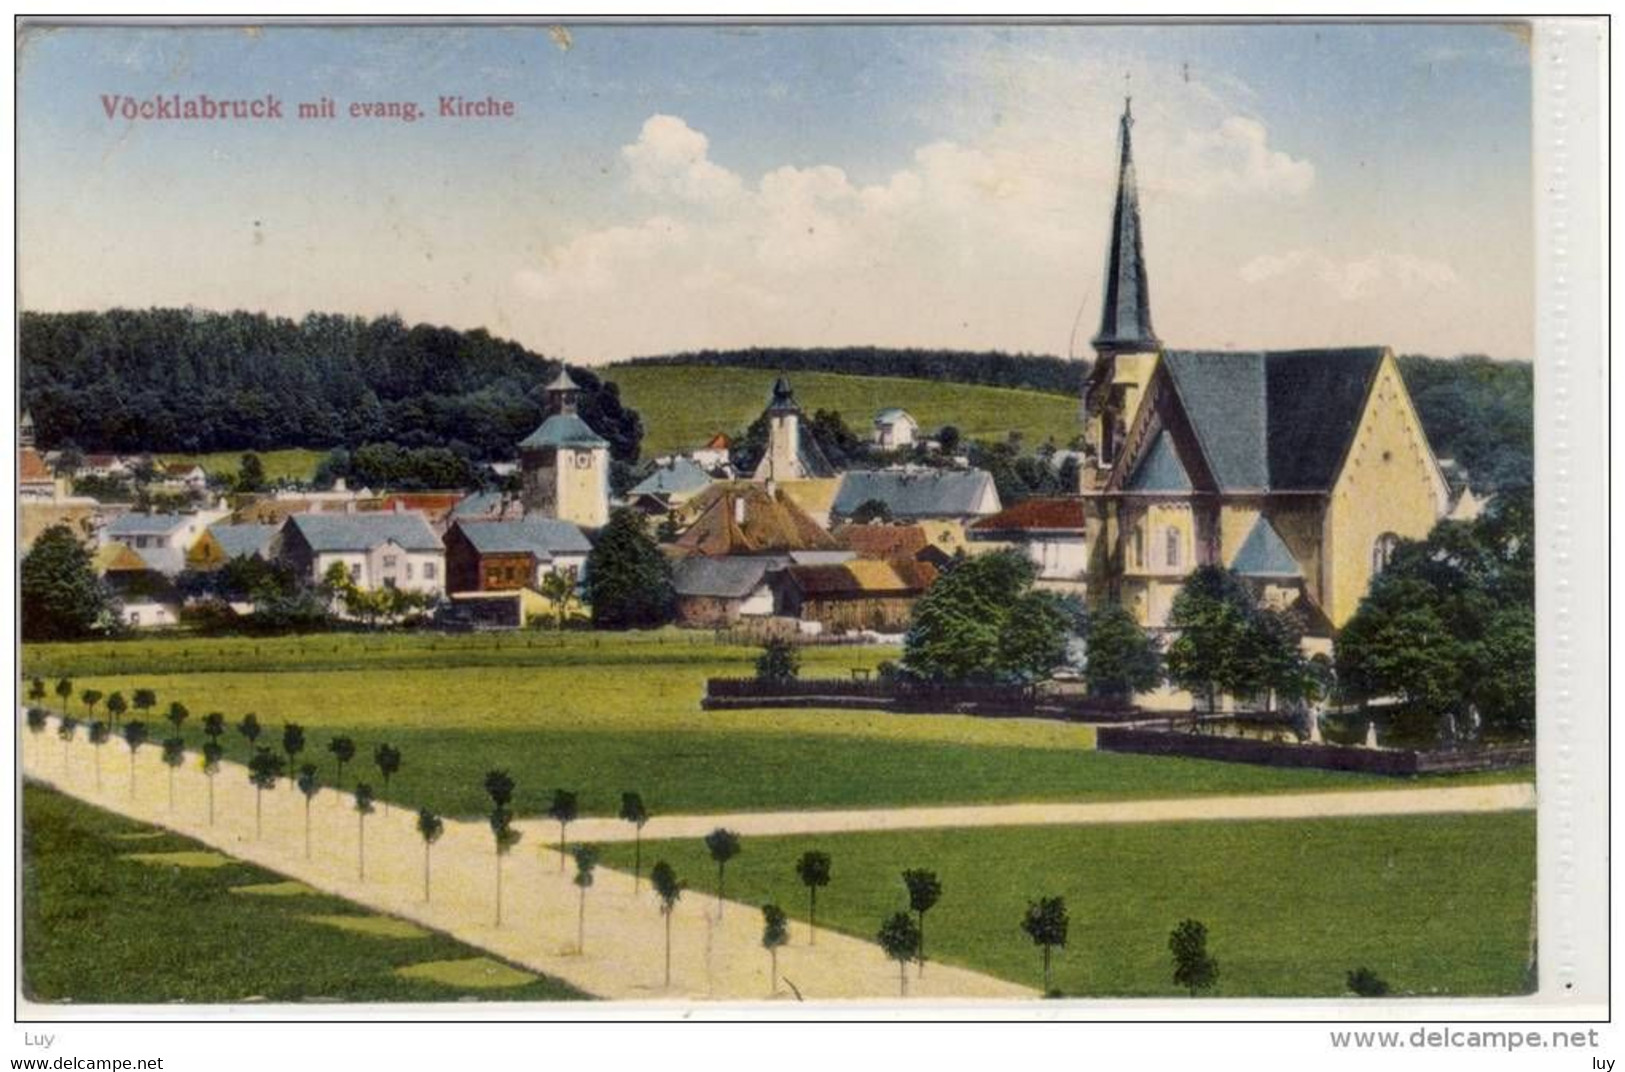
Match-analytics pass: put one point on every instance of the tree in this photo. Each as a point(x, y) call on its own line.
point(628, 579)
point(211, 767)
point(363, 808)
point(38, 718)
point(586, 857)
point(251, 729)
point(1194, 969)
point(36, 688)
point(174, 754)
point(1366, 983)
point(214, 725)
point(669, 888)
point(563, 811)
point(65, 728)
point(559, 589)
point(263, 771)
point(779, 663)
point(90, 698)
point(499, 787)
point(1213, 614)
point(135, 735)
point(64, 690)
point(899, 937)
point(1046, 924)
point(143, 700)
point(176, 716)
point(98, 737)
point(343, 750)
point(250, 473)
point(388, 759)
point(982, 621)
point(505, 837)
point(1123, 659)
point(870, 512)
point(723, 845)
point(924, 890)
point(62, 598)
point(116, 707)
point(430, 827)
point(813, 870)
point(775, 933)
point(633, 811)
point(309, 785)
point(293, 743)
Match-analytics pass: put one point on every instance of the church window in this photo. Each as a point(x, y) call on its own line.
point(1382, 552)
point(1138, 547)
point(1170, 537)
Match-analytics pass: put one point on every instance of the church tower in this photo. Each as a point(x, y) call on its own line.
point(788, 456)
point(1126, 345)
point(564, 464)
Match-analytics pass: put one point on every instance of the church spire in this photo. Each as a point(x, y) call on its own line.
point(1125, 315)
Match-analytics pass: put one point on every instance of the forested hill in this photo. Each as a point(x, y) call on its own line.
point(187, 381)
point(989, 368)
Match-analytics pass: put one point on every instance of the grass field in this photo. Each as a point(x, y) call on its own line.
point(683, 405)
point(113, 912)
point(605, 713)
point(1432, 904)
point(294, 463)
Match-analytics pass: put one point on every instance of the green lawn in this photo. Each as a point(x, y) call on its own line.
point(605, 713)
point(683, 405)
point(109, 915)
point(1432, 904)
point(293, 463)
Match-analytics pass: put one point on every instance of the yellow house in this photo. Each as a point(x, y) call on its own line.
point(1300, 470)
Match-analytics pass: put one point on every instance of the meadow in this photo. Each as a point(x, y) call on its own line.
point(115, 911)
point(684, 405)
point(603, 713)
point(293, 463)
point(1435, 905)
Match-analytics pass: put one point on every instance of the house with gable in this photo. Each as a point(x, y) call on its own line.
point(500, 556)
point(396, 549)
point(1300, 470)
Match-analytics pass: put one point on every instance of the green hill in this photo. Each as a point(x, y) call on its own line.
point(683, 405)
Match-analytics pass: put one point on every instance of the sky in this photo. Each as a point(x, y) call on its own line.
point(681, 187)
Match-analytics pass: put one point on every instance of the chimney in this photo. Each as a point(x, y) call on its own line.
point(739, 510)
point(400, 507)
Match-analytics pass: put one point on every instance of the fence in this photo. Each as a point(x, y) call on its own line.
point(1153, 742)
point(992, 701)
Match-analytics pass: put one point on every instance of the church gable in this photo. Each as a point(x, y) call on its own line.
point(1264, 554)
point(1160, 470)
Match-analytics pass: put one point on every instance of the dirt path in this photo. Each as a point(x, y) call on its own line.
point(625, 933)
point(1510, 796)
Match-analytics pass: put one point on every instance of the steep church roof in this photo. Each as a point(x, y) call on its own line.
point(564, 430)
point(1125, 313)
point(1273, 420)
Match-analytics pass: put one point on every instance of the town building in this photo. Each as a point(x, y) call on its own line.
point(789, 454)
point(745, 518)
point(882, 541)
point(162, 540)
point(719, 592)
point(564, 464)
point(377, 549)
point(143, 582)
point(498, 556)
point(895, 429)
point(863, 594)
point(1300, 470)
point(1052, 532)
point(917, 493)
point(222, 542)
point(35, 481)
point(673, 483)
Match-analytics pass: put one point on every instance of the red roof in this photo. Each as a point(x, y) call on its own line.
point(883, 541)
point(1042, 515)
point(31, 468)
point(718, 442)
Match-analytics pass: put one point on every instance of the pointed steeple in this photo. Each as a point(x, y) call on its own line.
point(1125, 315)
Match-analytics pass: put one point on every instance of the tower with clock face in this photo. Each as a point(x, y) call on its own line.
point(564, 464)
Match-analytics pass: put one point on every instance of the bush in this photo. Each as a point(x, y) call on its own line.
point(779, 662)
point(1367, 983)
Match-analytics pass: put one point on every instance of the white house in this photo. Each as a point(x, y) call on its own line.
point(161, 539)
point(396, 549)
point(894, 428)
point(1051, 532)
point(914, 493)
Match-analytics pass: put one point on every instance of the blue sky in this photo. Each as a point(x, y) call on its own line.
point(672, 187)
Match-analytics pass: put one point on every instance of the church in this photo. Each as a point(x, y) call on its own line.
point(1300, 470)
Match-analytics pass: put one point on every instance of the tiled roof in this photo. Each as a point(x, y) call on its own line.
point(478, 504)
point(1264, 554)
point(542, 537)
point(236, 540)
point(1273, 421)
point(720, 441)
point(720, 578)
point(435, 504)
point(364, 531)
point(1160, 469)
point(683, 476)
point(883, 541)
point(31, 468)
point(1035, 515)
point(134, 524)
point(771, 523)
point(863, 577)
point(915, 493)
point(564, 430)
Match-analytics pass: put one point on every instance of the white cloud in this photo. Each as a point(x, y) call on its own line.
point(671, 159)
point(1236, 157)
point(1355, 279)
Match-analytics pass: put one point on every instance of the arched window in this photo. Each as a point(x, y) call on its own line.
point(1382, 552)
point(1170, 547)
point(1138, 546)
